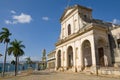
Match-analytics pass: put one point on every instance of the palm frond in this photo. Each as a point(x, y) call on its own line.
point(17, 48)
point(10, 50)
point(4, 35)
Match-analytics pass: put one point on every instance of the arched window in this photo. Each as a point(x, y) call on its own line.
point(69, 29)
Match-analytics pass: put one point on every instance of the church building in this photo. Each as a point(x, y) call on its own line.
point(85, 42)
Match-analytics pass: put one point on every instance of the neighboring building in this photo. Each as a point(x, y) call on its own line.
point(115, 45)
point(86, 43)
point(51, 60)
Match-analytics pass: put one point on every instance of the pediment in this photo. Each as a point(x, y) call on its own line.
point(67, 12)
point(71, 9)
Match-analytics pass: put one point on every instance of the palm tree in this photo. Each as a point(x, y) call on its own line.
point(29, 62)
point(16, 49)
point(13, 62)
point(4, 37)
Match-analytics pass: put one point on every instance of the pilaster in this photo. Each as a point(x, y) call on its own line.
point(93, 50)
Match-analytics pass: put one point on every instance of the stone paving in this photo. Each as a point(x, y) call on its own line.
point(47, 75)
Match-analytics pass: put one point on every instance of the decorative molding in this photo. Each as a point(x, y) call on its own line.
point(87, 28)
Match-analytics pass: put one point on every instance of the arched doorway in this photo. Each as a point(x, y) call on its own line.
point(59, 58)
point(102, 58)
point(70, 57)
point(86, 51)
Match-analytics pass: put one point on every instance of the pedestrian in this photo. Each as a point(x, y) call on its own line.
point(106, 61)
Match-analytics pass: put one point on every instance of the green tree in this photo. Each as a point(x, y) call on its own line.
point(4, 37)
point(29, 61)
point(13, 62)
point(0, 55)
point(16, 49)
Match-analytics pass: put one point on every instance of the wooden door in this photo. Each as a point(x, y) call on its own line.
point(101, 56)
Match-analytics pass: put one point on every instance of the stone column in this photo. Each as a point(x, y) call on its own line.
point(74, 58)
point(93, 54)
point(65, 59)
point(61, 57)
point(107, 50)
point(62, 61)
point(56, 61)
point(81, 58)
point(93, 50)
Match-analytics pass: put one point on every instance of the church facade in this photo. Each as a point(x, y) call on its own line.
point(86, 43)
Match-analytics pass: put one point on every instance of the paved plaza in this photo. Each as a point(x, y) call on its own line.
point(46, 75)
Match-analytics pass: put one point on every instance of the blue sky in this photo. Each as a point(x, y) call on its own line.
point(36, 22)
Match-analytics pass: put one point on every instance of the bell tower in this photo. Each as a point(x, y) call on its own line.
point(44, 55)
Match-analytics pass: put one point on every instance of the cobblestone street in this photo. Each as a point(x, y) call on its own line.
point(59, 76)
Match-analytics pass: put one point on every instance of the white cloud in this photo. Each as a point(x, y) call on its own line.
point(22, 18)
point(36, 58)
point(13, 12)
point(45, 18)
point(10, 58)
point(116, 21)
point(23, 58)
point(8, 22)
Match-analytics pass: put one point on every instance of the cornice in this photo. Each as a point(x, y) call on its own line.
point(52, 52)
point(87, 28)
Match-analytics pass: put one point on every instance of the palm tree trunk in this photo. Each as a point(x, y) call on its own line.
point(18, 63)
point(4, 64)
point(16, 66)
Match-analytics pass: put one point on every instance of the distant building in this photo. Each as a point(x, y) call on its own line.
point(44, 55)
point(86, 43)
point(51, 60)
point(43, 64)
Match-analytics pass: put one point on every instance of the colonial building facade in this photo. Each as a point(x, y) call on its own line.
point(51, 60)
point(86, 42)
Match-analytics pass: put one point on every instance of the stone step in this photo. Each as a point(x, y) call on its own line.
point(109, 71)
point(87, 70)
point(69, 70)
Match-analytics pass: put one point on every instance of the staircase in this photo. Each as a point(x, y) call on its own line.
point(109, 71)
